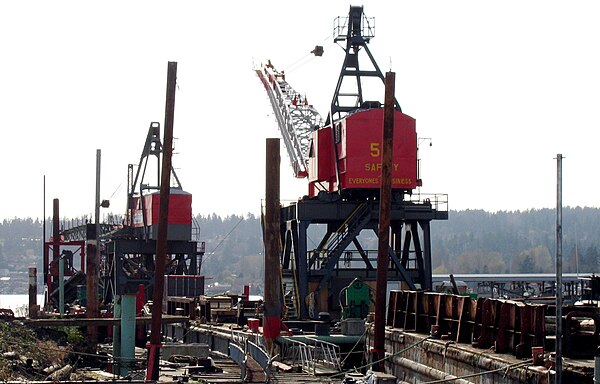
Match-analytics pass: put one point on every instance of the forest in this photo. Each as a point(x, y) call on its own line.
point(470, 241)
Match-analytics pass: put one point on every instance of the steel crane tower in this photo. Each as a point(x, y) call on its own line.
point(342, 162)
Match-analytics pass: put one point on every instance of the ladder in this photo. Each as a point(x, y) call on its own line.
point(290, 296)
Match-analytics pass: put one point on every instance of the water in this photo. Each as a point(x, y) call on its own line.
point(17, 302)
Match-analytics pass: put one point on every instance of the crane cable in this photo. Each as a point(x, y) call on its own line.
point(118, 189)
point(223, 239)
point(298, 63)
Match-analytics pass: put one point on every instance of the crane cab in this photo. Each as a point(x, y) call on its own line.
point(346, 156)
point(146, 215)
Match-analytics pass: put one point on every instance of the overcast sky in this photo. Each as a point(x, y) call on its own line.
point(500, 87)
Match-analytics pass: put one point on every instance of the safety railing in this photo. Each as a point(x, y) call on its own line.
point(259, 355)
point(312, 357)
point(240, 338)
point(355, 259)
point(238, 354)
point(438, 201)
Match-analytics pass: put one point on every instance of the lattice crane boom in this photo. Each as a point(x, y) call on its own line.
point(296, 118)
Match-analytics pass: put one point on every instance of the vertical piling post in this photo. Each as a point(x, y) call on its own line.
point(384, 221)
point(33, 307)
point(61, 285)
point(559, 323)
point(55, 244)
point(272, 311)
point(127, 333)
point(91, 287)
point(117, 334)
point(91, 264)
point(163, 222)
point(44, 254)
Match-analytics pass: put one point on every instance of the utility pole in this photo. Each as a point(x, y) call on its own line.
point(163, 222)
point(384, 221)
point(559, 323)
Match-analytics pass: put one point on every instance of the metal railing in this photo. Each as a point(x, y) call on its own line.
point(311, 357)
point(242, 344)
point(352, 259)
point(438, 201)
point(238, 355)
point(259, 355)
point(240, 338)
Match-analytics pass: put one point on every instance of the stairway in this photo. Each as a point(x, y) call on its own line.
point(345, 234)
point(290, 297)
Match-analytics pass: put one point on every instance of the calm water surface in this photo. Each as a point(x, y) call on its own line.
point(16, 301)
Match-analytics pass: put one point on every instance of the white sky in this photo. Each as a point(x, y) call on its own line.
point(501, 87)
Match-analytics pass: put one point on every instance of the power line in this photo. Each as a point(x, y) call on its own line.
point(223, 239)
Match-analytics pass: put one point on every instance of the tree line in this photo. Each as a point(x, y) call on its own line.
point(470, 241)
point(476, 241)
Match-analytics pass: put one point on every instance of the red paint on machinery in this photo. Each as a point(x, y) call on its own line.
point(358, 145)
point(180, 209)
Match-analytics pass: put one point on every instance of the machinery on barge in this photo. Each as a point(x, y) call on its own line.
point(340, 156)
point(127, 249)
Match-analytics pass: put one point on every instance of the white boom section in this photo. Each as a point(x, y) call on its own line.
point(295, 117)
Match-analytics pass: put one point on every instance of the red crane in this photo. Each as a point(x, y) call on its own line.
point(341, 158)
point(343, 154)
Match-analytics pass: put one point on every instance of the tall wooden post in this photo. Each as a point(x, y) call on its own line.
point(45, 269)
point(163, 222)
point(384, 221)
point(272, 313)
point(91, 263)
point(33, 307)
point(52, 281)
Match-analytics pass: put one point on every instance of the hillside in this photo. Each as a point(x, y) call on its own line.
point(471, 241)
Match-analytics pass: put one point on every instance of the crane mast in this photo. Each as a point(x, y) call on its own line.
point(356, 30)
point(296, 118)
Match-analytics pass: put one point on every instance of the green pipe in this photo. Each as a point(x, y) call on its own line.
point(127, 333)
point(117, 334)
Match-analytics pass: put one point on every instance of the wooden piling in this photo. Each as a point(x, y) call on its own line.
point(163, 222)
point(272, 312)
point(384, 220)
point(33, 307)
